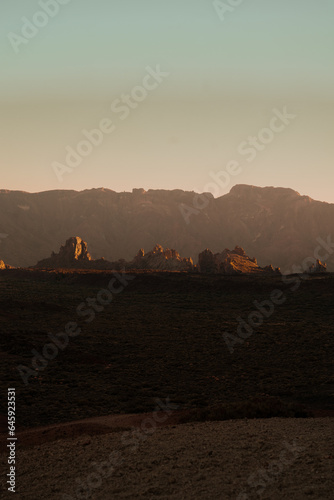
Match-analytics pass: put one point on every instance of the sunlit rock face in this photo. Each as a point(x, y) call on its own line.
point(230, 262)
point(72, 254)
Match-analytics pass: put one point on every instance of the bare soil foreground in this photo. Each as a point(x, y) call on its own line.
point(240, 459)
point(85, 402)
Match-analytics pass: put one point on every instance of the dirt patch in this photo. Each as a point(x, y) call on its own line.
point(279, 458)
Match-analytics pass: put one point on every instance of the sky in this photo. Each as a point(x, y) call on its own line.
point(182, 90)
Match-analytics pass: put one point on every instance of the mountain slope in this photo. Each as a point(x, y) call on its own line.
point(276, 224)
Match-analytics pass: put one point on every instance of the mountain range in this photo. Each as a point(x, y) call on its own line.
point(278, 225)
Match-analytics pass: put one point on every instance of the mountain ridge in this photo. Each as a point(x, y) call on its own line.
point(278, 225)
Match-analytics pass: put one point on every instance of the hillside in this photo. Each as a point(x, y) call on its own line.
point(276, 224)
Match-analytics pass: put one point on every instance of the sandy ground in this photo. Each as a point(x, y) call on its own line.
point(240, 459)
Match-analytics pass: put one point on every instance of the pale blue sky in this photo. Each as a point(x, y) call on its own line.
point(225, 79)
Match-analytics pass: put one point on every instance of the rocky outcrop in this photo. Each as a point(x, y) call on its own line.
point(160, 259)
point(317, 268)
point(271, 270)
point(4, 266)
point(230, 262)
point(73, 254)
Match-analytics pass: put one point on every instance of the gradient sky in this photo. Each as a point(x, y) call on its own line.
point(226, 77)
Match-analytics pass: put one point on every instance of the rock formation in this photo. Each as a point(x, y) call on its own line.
point(73, 254)
point(160, 259)
point(230, 262)
point(319, 267)
point(4, 266)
